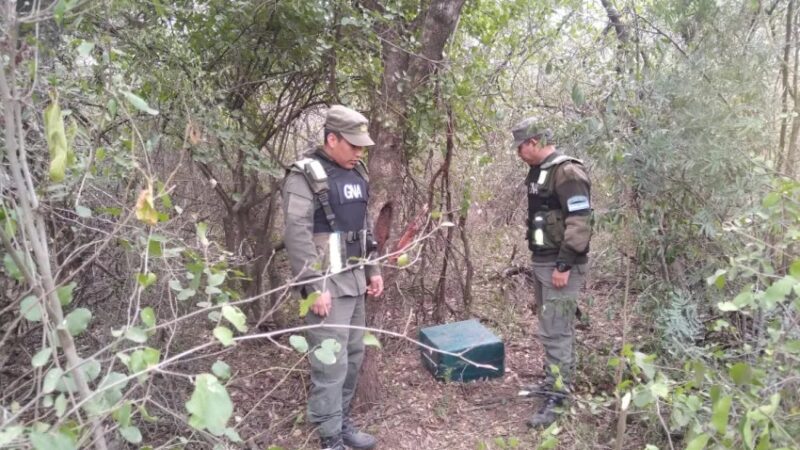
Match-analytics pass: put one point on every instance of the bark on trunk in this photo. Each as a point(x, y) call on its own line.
point(404, 71)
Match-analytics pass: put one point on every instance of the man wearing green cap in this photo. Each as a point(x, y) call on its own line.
point(329, 242)
point(559, 230)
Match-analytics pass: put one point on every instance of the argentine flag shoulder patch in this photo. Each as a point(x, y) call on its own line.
point(578, 203)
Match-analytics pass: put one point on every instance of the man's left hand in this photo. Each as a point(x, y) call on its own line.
point(375, 287)
point(560, 279)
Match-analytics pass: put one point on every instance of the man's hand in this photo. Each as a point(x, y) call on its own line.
point(375, 286)
point(322, 306)
point(560, 279)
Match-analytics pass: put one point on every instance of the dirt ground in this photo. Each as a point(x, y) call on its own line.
point(418, 412)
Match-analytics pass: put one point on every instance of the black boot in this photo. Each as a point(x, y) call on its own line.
point(331, 443)
point(354, 438)
point(548, 413)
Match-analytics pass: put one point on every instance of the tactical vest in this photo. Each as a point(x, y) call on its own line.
point(340, 204)
point(545, 213)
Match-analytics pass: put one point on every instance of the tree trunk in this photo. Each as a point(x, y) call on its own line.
point(434, 25)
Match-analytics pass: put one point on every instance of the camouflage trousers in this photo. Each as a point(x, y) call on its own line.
point(556, 311)
point(333, 385)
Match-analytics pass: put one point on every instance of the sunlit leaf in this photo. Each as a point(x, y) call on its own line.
point(221, 370)
point(698, 443)
point(148, 316)
point(131, 434)
point(136, 334)
point(51, 441)
point(224, 335)
point(145, 210)
point(299, 343)
point(65, 293)
point(31, 309)
point(146, 279)
point(235, 316)
point(210, 407)
point(371, 340)
point(139, 103)
point(306, 303)
point(78, 320)
point(56, 140)
point(403, 260)
point(719, 414)
point(41, 357)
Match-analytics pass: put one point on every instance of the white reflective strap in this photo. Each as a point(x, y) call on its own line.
point(335, 252)
point(542, 177)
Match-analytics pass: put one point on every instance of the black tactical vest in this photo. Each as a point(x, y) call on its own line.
point(545, 214)
point(348, 196)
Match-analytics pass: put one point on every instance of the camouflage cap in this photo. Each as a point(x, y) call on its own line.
point(351, 124)
point(528, 128)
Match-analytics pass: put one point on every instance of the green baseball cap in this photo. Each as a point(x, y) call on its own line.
point(528, 128)
point(351, 124)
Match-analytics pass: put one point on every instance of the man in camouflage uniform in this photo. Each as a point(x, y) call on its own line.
point(559, 230)
point(328, 240)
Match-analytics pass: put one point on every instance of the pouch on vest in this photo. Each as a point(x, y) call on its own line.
point(546, 231)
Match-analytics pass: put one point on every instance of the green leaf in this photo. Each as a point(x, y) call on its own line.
point(659, 389)
point(224, 335)
point(85, 48)
point(41, 357)
point(403, 260)
point(719, 414)
point(186, 294)
point(9, 434)
point(645, 362)
point(778, 291)
point(216, 279)
point(642, 398)
point(31, 309)
point(143, 359)
point(145, 210)
point(371, 340)
point(139, 103)
point(299, 343)
point(175, 285)
point(235, 316)
point(577, 95)
point(794, 269)
point(325, 356)
point(331, 344)
point(148, 317)
point(56, 141)
point(718, 279)
point(122, 415)
point(146, 279)
point(698, 443)
point(231, 434)
point(727, 306)
point(136, 334)
point(83, 211)
point(60, 405)
point(131, 434)
point(65, 293)
point(202, 229)
point(11, 267)
point(51, 379)
point(50, 441)
point(154, 248)
point(78, 320)
point(741, 373)
point(146, 415)
point(210, 407)
point(221, 370)
point(771, 199)
point(306, 303)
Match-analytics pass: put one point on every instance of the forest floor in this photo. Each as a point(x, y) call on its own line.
point(418, 412)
